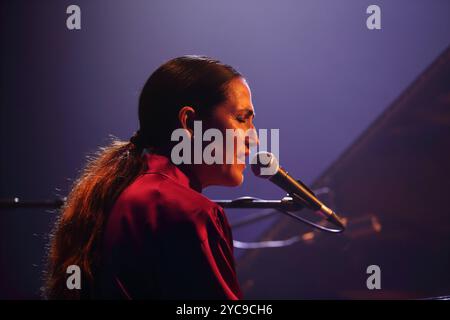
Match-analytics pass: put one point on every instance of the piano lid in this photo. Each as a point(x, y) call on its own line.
point(393, 186)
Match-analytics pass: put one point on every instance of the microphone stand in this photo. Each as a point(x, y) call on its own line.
point(285, 205)
point(239, 203)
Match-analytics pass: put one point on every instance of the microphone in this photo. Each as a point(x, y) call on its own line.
point(265, 165)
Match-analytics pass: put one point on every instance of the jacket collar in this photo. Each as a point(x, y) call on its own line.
point(161, 164)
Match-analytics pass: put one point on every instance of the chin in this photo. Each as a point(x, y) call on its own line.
point(236, 178)
point(230, 177)
point(237, 181)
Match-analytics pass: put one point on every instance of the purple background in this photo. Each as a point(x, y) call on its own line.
point(316, 72)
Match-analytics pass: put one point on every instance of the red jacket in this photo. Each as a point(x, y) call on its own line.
point(165, 240)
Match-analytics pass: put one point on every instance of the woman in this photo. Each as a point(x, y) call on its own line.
point(135, 223)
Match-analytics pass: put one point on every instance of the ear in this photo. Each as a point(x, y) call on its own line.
point(186, 116)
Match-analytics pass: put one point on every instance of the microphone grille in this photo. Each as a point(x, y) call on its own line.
point(264, 164)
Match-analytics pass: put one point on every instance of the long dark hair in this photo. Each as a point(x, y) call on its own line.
point(196, 81)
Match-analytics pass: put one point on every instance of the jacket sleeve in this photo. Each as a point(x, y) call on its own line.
point(195, 259)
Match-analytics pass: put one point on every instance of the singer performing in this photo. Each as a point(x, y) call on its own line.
point(138, 225)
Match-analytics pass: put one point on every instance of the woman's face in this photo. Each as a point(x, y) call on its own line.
point(237, 112)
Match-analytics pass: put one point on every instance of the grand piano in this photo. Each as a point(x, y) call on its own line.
point(393, 187)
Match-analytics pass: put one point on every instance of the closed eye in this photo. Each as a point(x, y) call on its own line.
point(249, 114)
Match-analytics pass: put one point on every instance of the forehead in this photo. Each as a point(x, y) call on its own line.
point(239, 94)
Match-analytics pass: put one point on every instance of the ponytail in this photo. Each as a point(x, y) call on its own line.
point(77, 234)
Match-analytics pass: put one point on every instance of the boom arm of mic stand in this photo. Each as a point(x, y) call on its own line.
point(249, 202)
point(242, 202)
point(286, 205)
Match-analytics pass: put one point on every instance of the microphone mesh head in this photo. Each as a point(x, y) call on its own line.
point(264, 164)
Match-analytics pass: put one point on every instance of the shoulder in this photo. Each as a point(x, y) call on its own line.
point(163, 204)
